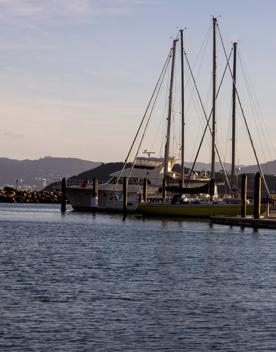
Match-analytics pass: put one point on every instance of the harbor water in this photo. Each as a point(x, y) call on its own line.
point(84, 282)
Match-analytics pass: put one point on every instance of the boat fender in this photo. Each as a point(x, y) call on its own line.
point(83, 183)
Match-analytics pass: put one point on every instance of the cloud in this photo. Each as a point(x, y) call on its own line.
point(72, 8)
point(12, 135)
point(20, 8)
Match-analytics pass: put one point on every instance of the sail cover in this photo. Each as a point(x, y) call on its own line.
point(191, 190)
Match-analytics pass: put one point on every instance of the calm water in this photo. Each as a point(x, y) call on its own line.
point(80, 282)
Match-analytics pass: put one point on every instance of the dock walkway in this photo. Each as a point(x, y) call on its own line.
point(249, 221)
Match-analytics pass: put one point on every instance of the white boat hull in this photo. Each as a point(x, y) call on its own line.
point(82, 199)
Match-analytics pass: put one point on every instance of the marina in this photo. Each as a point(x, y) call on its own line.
point(137, 176)
point(150, 185)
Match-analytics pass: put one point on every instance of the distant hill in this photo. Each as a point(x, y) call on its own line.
point(199, 166)
point(35, 173)
point(269, 168)
point(102, 172)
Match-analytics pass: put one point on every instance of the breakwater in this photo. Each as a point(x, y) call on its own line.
point(12, 195)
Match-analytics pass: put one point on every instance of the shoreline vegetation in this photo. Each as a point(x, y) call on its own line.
point(12, 195)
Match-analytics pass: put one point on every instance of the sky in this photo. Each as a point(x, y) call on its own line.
point(76, 75)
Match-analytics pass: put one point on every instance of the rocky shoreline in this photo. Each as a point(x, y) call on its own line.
point(11, 195)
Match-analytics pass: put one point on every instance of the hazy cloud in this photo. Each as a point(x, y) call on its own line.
point(20, 8)
point(71, 8)
point(12, 135)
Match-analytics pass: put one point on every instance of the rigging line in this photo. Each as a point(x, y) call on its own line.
point(164, 112)
point(157, 132)
point(209, 93)
point(191, 87)
point(148, 120)
point(164, 115)
point(199, 131)
point(260, 131)
point(201, 52)
point(255, 106)
point(147, 123)
point(174, 110)
point(244, 118)
point(198, 112)
point(208, 119)
point(148, 106)
point(145, 113)
point(198, 62)
point(228, 137)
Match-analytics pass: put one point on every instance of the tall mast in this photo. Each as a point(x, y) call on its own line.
point(214, 103)
point(233, 167)
point(182, 109)
point(167, 146)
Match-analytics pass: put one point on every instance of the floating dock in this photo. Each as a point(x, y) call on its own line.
point(249, 221)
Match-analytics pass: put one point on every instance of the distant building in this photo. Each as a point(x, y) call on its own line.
point(44, 182)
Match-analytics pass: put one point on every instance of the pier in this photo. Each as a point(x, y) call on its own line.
point(249, 221)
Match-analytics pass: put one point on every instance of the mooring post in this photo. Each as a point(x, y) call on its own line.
point(267, 210)
point(164, 190)
point(63, 195)
point(125, 189)
point(145, 190)
point(212, 189)
point(257, 195)
point(243, 195)
point(95, 192)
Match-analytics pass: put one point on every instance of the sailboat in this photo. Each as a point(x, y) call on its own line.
point(208, 205)
point(175, 199)
point(110, 195)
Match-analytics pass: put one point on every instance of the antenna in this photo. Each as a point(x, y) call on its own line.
point(148, 152)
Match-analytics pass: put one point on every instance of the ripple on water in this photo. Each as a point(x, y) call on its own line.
point(82, 282)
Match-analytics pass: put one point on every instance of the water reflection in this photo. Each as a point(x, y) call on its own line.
point(98, 282)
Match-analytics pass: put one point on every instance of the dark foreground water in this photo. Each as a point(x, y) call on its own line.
point(97, 283)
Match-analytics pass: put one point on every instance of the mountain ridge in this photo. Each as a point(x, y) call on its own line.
point(38, 173)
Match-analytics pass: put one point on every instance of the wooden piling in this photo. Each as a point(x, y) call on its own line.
point(243, 195)
point(63, 195)
point(125, 191)
point(212, 189)
point(95, 193)
point(95, 187)
point(145, 190)
point(257, 195)
point(267, 211)
point(164, 190)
